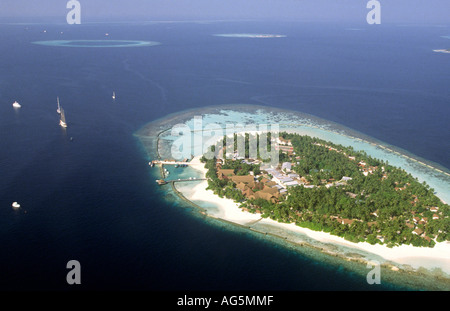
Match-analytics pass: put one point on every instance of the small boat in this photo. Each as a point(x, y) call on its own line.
point(114, 95)
point(16, 105)
point(59, 106)
point(62, 121)
point(15, 205)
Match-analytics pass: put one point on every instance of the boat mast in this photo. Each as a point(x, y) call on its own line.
point(59, 107)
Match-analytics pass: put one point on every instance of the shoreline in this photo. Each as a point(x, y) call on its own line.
point(404, 258)
point(422, 265)
point(318, 124)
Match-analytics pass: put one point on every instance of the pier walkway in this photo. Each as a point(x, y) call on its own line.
point(164, 181)
point(167, 162)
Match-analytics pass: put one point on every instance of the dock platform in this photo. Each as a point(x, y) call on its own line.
point(164, 181)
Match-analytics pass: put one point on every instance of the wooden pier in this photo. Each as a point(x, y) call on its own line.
point(170, 162)
point(164, 181)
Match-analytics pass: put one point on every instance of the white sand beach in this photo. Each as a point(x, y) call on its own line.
point(416, 257)
point(227, 209)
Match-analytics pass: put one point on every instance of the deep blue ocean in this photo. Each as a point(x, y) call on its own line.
point(94, 199)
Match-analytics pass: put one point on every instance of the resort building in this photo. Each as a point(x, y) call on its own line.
point(286, 166)
point(417, 231)
point(225, 173)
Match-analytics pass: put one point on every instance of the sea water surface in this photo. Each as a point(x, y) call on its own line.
point(93, 198)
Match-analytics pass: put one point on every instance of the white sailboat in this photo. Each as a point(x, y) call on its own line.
point(16, 105)
point(59, 106)
point(15, 205)
point(114, 95)
point(62, 121)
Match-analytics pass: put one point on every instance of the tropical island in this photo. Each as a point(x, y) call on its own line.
point(330, 202)
point(332, 188)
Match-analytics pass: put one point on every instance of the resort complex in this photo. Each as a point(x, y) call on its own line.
point(332, 188)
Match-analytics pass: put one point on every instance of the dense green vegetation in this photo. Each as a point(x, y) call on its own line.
point(380, 204)
point(223, 188)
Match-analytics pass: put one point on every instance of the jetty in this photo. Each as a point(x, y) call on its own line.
point(185, 162)
point(166, 181)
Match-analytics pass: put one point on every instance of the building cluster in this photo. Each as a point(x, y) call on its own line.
point(251, 186)
point(419, 219)
point(363, 167)
point(272, 183)
point(417, 222)
point(367, 169)
point(284, 145)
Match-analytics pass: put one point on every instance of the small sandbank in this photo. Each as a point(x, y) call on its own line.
point(442, 51)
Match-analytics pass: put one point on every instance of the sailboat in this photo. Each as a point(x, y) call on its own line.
point(114, 95)
point(62, 121)
point(15, 205)
point(59, 107)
